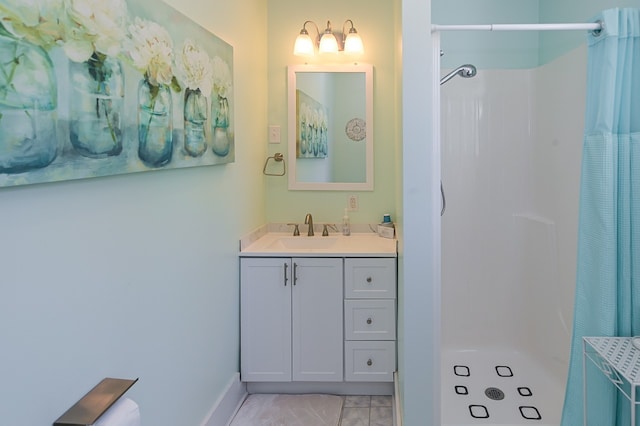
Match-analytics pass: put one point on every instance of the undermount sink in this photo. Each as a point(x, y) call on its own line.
point(303, 243)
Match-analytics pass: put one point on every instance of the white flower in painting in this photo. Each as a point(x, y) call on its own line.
point(94, 26)
point(151, 50)
point(195, 68)
point(323, 120)
point(35, 20)
point(222, 82)
point(25, 11)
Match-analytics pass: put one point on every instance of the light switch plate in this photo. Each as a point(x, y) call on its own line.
point(274, 134)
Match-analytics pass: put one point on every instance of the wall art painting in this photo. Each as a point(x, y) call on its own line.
point(312, 127)
point(93, 88)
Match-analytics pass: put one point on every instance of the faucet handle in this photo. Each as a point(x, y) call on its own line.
point(325, 231)
point(296, 230)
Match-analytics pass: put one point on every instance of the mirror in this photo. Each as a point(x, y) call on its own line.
point(330, 127)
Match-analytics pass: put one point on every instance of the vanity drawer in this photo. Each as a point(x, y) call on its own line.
point(370, 319)
point(369, 361)
point(370, 278)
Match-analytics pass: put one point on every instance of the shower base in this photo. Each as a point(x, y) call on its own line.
point(498, 387)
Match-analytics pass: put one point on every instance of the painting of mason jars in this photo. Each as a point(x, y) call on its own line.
point(312, 126)
point(100, 87)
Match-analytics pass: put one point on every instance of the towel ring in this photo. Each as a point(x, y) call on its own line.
point(277, 157)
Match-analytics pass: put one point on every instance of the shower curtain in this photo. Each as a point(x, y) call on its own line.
point(607, 301)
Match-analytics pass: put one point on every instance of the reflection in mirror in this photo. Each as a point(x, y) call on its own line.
point(330, 127)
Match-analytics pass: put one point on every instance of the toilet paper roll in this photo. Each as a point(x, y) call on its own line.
point(124, 412)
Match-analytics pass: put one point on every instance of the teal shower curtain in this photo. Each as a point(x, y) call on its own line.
point(607, 301)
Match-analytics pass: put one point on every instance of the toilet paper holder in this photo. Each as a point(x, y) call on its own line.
point(95, 402)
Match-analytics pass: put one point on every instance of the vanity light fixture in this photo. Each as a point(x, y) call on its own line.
point(350, 43)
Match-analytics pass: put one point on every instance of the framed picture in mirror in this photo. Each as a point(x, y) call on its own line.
point(312, 124)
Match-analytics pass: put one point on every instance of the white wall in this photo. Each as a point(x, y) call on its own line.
point(136, 275)
point(419, 247)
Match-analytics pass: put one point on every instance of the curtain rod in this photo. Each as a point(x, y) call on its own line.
point(595, 26)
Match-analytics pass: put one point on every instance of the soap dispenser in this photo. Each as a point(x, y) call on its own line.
point(346, 224)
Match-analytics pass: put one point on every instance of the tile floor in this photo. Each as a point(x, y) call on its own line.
point(366, 410)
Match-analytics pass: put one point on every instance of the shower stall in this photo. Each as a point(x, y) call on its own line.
point(511, 144)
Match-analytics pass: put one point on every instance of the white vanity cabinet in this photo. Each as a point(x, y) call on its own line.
point(318, 314)
point(291, 319)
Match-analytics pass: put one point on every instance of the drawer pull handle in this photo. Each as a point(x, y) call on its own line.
point(369, 320)
point(285, 274)
point(369, 362)
point(369, 279)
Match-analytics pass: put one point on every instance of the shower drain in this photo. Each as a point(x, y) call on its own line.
point(494, 393)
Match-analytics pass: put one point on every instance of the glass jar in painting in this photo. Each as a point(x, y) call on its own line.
point(220, 122)
point(316, 141)
point(309, 138)
point(155, 129)
point(303, 136)
point(28, 106)
point(195, 119)
point(96, 104)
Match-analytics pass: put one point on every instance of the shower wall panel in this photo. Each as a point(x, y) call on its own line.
point(560, 99)
point(486, 144)
point(511, 152)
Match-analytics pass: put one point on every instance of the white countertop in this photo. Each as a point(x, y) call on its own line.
point(281, 244)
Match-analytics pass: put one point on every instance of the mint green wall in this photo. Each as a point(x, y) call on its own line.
point(553, 45)
point(486, 49)
point(136, 275)
point(506, 50)
point(376, 26)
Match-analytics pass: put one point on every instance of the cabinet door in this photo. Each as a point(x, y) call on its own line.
point(317, 320)
point(265, 319)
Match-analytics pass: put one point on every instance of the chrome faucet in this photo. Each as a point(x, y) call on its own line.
point(308, 220)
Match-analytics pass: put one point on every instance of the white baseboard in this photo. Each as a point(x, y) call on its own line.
point(228, 404)
point(397, 401)
point(336, 388)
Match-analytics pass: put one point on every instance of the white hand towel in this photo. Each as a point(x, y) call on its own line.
point(124, 412)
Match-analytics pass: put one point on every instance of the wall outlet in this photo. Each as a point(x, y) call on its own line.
point(274, 134)
point(352, 203)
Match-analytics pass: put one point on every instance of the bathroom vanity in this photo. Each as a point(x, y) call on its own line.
point(318, 313)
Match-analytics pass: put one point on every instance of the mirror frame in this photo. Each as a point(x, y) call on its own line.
point(367, 185)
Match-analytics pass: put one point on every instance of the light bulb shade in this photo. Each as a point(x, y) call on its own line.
point(353, 44)
point(303, 46)
point(328, 43)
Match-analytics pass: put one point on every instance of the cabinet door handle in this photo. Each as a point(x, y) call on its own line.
point(369, 279)
point(369, 320)
point(369, 362)
point(285, 274)
point(295, 273)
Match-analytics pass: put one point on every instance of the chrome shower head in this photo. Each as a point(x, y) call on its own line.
point(466, 71)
